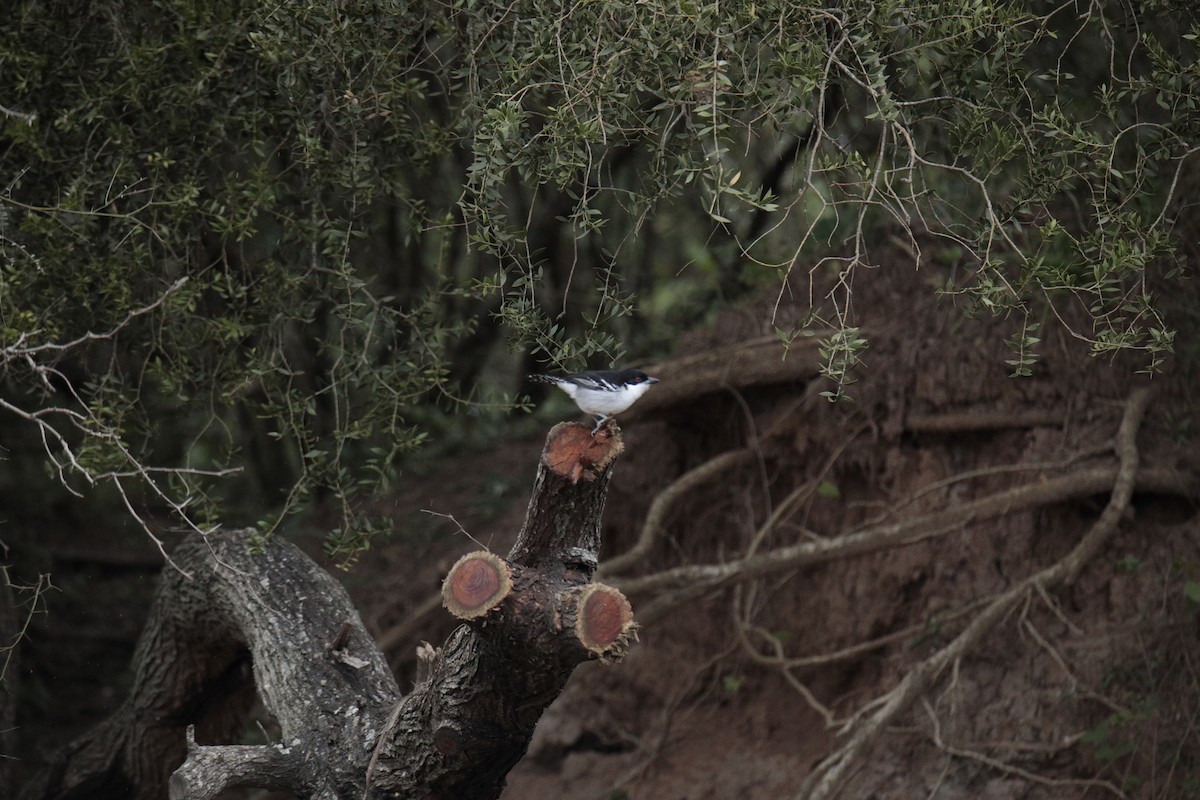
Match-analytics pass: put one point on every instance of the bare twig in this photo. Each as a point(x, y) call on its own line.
point(57, 424)
point(35, 604)
point(25, 116)
point(19, 349)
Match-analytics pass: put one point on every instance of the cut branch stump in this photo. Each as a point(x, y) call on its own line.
point(236, 605)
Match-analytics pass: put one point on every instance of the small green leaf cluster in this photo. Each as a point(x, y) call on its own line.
point(839, 353)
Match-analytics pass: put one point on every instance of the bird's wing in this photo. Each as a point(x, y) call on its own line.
point(591, 380)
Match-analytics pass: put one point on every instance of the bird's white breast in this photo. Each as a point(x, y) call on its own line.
point(599, 402)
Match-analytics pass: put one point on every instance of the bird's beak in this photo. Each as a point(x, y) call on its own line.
point(653, 380)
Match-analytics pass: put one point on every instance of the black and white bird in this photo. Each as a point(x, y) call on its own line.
point(603, 393)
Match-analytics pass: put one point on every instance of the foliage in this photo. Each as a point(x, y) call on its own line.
point(287, 239)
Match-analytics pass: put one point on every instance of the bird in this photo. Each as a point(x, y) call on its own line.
point(603, 393)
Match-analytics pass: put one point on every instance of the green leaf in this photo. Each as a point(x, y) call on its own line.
point(829, 490)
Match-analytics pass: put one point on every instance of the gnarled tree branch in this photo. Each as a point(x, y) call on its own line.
point(241, 604)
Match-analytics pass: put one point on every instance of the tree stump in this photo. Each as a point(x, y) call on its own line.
point(233, 612)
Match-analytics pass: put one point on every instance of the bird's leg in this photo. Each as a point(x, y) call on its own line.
point(600, 420)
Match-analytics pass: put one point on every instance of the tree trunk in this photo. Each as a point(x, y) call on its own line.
point(236, 608)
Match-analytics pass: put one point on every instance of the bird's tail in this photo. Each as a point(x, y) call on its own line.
point(545, 379)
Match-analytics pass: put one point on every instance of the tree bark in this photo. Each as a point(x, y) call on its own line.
point(239, 608)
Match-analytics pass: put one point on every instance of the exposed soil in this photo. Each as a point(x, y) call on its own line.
point(1087, 689)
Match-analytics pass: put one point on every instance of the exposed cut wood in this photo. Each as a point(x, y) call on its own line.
point(476, 585)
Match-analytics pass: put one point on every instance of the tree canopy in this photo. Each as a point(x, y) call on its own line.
point(286, 240)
